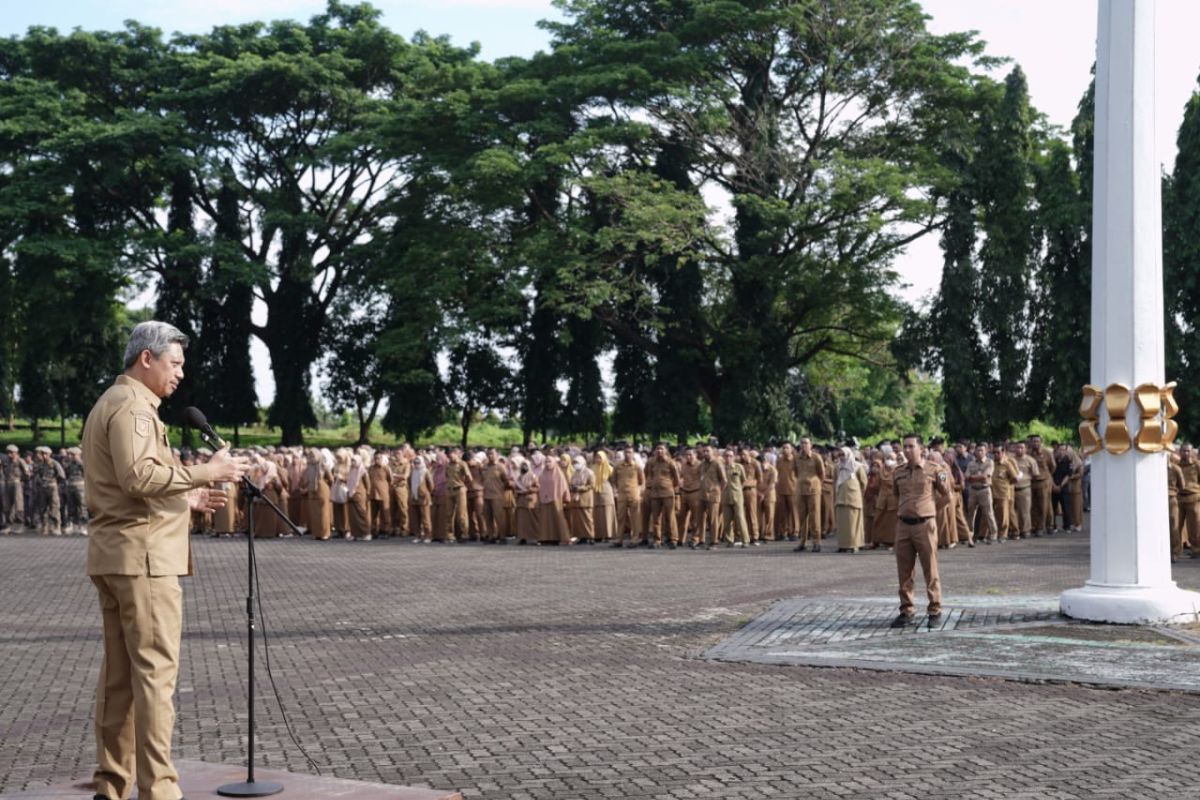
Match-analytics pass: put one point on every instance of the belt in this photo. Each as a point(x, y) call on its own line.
point(1021, 488)
point(914, 520)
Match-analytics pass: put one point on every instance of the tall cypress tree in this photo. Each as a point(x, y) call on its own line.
point(1181, 267)
point(1003, 184)
point(1062, 305)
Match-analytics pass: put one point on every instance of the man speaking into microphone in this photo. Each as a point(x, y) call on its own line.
point(140, 497)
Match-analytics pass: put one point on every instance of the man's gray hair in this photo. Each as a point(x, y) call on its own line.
point(155, 337)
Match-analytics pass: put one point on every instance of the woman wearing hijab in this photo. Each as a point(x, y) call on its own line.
point(297, 508)
point(525, 493)
point(604, 510)
point(553, 493)
point(338, 494)
point(850, 482)
point(583, 492)
point(884, 531)
point(266, 478)
point(314, 489)
point(947, 528)
point(420, 500)
point(441, 498)
point(358, 490)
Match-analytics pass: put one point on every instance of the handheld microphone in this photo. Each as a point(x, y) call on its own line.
point(195, 417)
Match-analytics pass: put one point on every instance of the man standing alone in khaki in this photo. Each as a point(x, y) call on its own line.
point(139, 497)
point(916, 529)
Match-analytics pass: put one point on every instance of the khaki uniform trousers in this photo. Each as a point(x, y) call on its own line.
point(767, 524)
point(1176, 534)
point(135, 712)
point(913, 542)
point(1189, 522)
point(475, 512)
point(733, 514)
point(979, 502)
point(629, 515)
point(691, 509)
point(1022, 499)
point(400, 511)
point(708, 530)
point(1041, 506)
point(786, 521)
point(420, 519)
point(750, 511)
point(495, 519)
point(808, 513)
point(457, 518)
point(662, 520)
point(381, 516)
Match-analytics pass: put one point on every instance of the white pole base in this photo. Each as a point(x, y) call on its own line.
point(1131, 604)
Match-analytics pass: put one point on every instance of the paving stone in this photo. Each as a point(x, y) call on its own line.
point(577, 672)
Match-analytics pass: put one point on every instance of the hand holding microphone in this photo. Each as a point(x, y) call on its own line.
point(224, 466)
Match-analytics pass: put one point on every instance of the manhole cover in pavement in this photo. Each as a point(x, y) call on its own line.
point(1014, 638)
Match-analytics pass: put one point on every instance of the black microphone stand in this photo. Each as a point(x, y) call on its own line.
point(250, 787)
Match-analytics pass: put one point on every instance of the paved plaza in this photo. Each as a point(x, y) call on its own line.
point(520, 672)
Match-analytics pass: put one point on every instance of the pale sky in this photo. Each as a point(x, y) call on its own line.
point(1052, 40)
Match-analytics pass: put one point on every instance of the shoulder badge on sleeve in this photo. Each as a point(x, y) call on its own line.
point(141, 426)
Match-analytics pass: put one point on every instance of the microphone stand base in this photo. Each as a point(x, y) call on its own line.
point(250, 789)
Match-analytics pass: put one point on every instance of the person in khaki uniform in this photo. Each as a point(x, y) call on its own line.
point(883, 533)
point(914, 485)
point(1189, 498)
point(810, 478)
point(767, 500)
point(1027, 471)
point(458, 479)
point(662, 484)
point(380, 495)
point(712, 485)
point(787, 522)
point(139, 497)
point(420, 500)
point(733, 510)
point(980, 509)
point(401, 466)
point(850, 481)
point(1174, 485)
point(828, 526)
point(629, 480)
point(1004, 478)
point(749, 462)
point(496, 484)
point(1041, 488)
point(691, 506)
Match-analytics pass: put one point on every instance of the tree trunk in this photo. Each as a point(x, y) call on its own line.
point(292, 336)
point(62, 431)
point(237, 436)
point(466, 425)
point(36, 429)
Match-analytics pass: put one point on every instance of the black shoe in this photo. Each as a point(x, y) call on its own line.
point(791, 538)
point(798, 548)
point(653, 545)
point(709, 546)
point(902, 621)
point(616, 544)
point(935, 619)
point(691, 545)
point(671, 545)
point(817, 548)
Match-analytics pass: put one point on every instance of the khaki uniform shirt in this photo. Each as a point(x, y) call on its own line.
point(136, 488)
point(1027, 470)
point(980, 469)
point(753, 473)
point(12, 470)
point(1190, 488)
point(1003, 478)
point(74, 471)
point(1045, 462)
point(1174, 479)
point(662, 478)
point(914, 488)
point(457, 476)
point(689, 477)
point(735, 479)
point(628, 479)
point(810, 473)
point(381, 482)
point(766, 483)
point(712, 478)
point(495, 481)
point(48, 473)
point(785, 476)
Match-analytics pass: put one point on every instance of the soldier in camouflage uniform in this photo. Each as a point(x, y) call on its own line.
point(12, 489)
point(47, 473)
point(76, 505)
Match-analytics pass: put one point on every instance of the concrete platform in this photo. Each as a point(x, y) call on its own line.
point(199, 779)
point(1015, 638)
